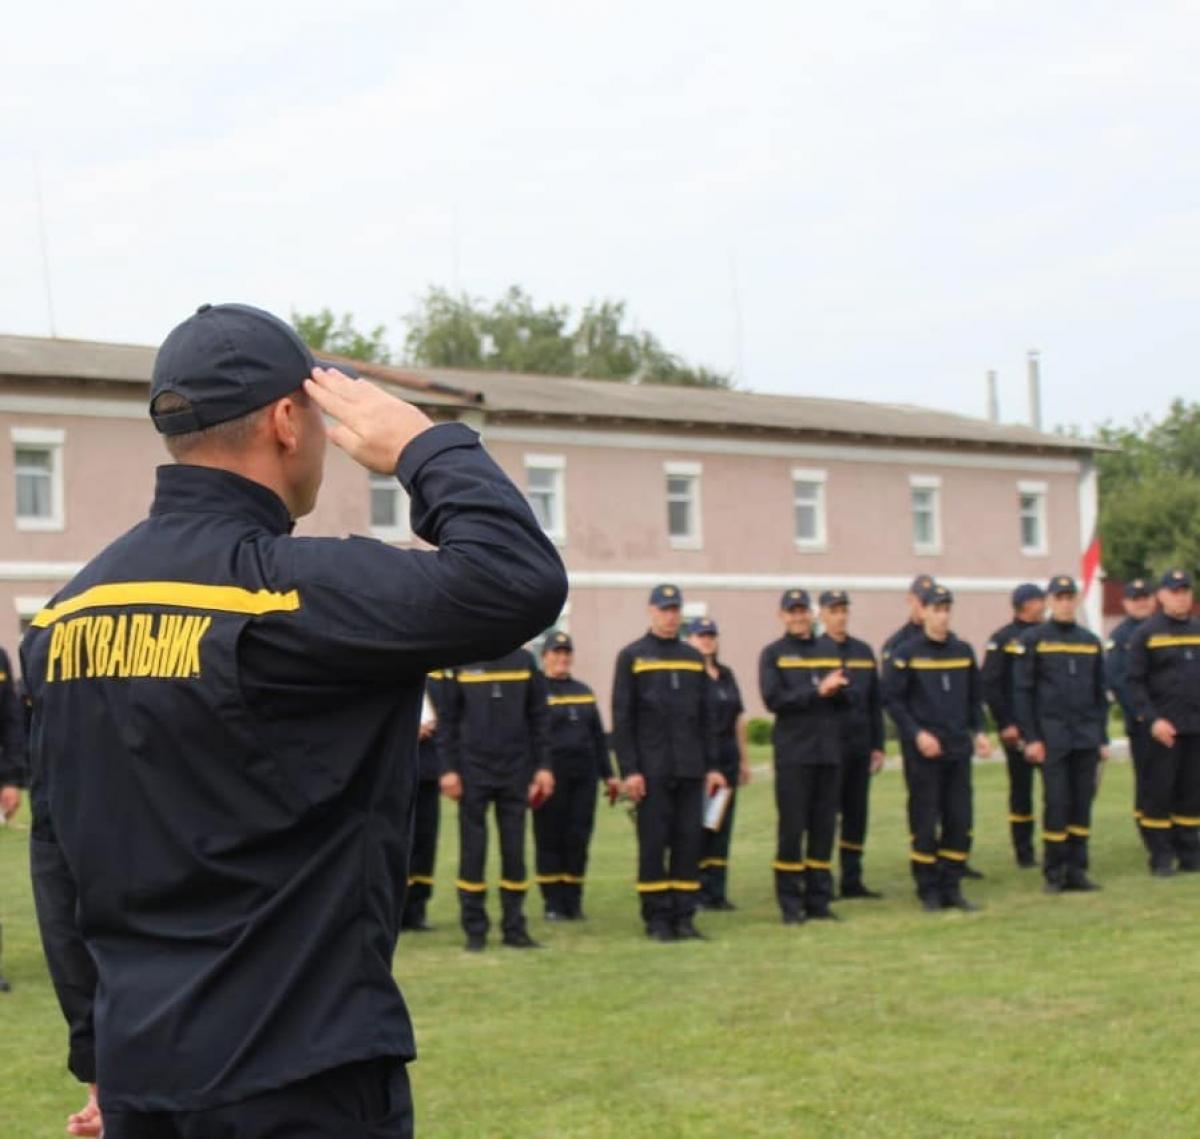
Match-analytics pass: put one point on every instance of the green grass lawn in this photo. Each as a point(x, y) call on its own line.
point(1037, 1017)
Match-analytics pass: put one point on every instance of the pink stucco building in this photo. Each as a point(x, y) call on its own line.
point(731, 495)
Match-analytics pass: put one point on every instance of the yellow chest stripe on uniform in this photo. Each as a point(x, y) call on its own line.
point(933, 663)
point(865, 662)
point(555, 701)
point(1067, 647)
point(808, 662)
point(1165, 641)
point(485, 677)
point(641, 665)
point(176, 594)
point(3, 677)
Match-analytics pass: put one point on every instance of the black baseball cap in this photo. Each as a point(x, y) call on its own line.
point(795, 599)
point(1062, 583)
point(934, 594)
point(666, 597)
point(1027, 591)
point(704, 625)
point(1176, 579)
point(1138, 587)
point(832, 597)
point(558, 640)
point(920, 583)
point(227, 361)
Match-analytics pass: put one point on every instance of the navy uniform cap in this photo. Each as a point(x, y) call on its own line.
point(1138, 587)
point(559, 640)
point(1027, 591)
point(1062, 583)
point(795, 599)
point(704, 625)
point(1176, 579)
point(920, 583)
point(666, 597)
point(227, 361)
point(832, 597)
point(934, 594)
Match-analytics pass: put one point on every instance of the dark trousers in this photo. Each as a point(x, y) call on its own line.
point(424, 852)
point(511, 806)
point(1139, 754)
point(1020, 801)
point(1172, 813)
point(367, 1100)
point(941, 810)
point(854, 804)
point(806, 802)
point(1068, 788)
point(669, 825)
point(714, 851)
point(562, 832)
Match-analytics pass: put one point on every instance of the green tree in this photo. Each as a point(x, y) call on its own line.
point(323, 332)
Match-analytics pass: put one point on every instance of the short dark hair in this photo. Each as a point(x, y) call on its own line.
point(231, 435)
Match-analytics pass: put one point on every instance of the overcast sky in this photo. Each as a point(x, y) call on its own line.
point(894, 196)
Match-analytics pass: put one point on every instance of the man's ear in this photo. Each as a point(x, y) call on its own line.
point(284, 419)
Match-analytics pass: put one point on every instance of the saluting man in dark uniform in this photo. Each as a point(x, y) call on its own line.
point(667, 753)
point(1003, 648)
point(728, 720)
point(932, 691)
point(224, 743)
point(1139, 606)
point(1164, 688)
point(562, 828)
point(13, 765)
point(859, 709)
point(801, 686)
point(494, 753)
point(427, 817)
point(1061, 705)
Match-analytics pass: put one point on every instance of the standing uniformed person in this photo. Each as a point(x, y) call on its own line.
point(800, 686)
point(1139, 606)
point(667, 753)
point(1164, 689)
point(997, 671)
point(914, 625)
point(859, 709)
point(578, 751)
point(494, 753)
point(224, 743)
point(13, 765)
point(1061, 706)
point(932, 691)
point(427, 816)
point(728, 721)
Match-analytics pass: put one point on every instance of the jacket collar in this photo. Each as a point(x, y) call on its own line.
point(180, 488)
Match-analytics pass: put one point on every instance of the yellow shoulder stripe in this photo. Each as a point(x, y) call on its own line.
point(486, 677)
point(642, 665)
point(175, 594)
point(1067, 647)
point(555, 701)
point(935, 663)
point(1165, 641)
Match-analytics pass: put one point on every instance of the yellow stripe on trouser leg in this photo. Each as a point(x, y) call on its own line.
point(953, 855)
point(788, 867)
point(471, 887)
point(515, 887)
point(1054, 836)
point(923, 859)
point(652, 887)
point(679, 885)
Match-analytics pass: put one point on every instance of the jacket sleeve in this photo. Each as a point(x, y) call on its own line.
point(775, 694)
point(896, 680)
point(992, 674)
point(450, 713)
point(538, 711)
point(875, 712)
point(708, 726)
point(1137, 677)
point(370, 611)
point(975, 717)
point(624, 716)
point(1024, 692)
point(1102, 695)
point(1116, 672)
point(14, 760)
point(600, 742)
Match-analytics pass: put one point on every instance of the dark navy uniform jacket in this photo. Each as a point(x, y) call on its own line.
point(998, 671)
point(661, 724)
point(1060, 694)
point(933, 686)
point(494, 721)
point(1164, 672)
point(578, 749)
point(806, 728)
point(1116, 665)
point(224, 763)
point(429, 764)
point(858, 706)
point(13, 759)
point(908, 631)
point(724, 707)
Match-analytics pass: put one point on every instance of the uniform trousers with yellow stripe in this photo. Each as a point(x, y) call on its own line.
point(562, 832)
point(424, 850)
point(1020, 802)
point(806, 800)
point(940, 809)
point(669, 826)
point(510, 803)
point(1068, 786)
point(1172, 812)
point(854, 804)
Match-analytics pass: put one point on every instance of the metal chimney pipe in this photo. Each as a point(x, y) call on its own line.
point(1035, 392)
point(993, 397)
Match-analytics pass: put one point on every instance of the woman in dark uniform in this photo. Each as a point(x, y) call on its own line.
point(728, 717)
point(562, 826)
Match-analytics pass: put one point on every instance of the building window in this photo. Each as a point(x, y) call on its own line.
point(683, 505)
point(38, 477)
point(544, 489)
point(389, 509)
point(1031, 509)
point(925, 492)
point(808, 503)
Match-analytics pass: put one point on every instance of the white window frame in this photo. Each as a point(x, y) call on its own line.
point(1040, 491)
point(557, 464)
point(402, 531)
point(694, 471)
point(51, 439)
point(932, 483)
point(820, 542)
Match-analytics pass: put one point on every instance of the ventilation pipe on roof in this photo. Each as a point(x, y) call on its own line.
point(993, 397)
point(1035, 392)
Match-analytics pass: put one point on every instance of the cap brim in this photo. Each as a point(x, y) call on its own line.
point(347, 370)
